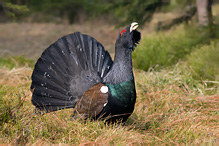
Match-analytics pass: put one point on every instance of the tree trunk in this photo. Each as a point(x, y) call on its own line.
point(204, 12)
point(27, 3)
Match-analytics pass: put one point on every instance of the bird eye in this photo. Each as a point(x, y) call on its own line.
point(124, 30)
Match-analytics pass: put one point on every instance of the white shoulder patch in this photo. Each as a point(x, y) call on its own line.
point(104, 89)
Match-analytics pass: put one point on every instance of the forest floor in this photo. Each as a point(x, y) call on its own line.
point(30, 39)
point(168, 111)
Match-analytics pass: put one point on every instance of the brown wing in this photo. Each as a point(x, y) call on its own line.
point(92, 102)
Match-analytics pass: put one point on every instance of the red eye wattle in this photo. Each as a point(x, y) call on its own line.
point(123, 31)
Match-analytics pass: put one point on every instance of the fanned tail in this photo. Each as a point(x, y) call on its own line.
point(66, 69)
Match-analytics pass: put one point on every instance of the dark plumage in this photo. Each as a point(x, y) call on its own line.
point(76, 72)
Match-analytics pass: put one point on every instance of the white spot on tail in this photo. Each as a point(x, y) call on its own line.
point(105, 104)
point(104, 89)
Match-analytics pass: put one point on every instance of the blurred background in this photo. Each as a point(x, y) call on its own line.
point(172, 30)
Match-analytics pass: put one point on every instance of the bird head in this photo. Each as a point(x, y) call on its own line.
point(129, 37)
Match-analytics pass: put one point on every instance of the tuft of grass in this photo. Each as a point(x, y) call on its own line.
point(205, 61)
point(170, 109)
point(175, 108)
point(167, 48)
point(15, 61)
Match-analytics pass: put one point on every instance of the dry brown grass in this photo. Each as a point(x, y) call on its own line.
point(178, 108)
point(15, 76)
point(168, 111)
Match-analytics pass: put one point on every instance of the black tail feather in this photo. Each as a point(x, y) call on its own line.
point(66, 70)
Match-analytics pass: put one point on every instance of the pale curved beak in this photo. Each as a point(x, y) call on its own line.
point(133, 26)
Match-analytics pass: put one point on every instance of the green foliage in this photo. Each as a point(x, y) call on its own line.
point(69, 8)
point(14, 11)
point(177, 5)
point(16, 61)
point(126, 11)
point(166, 48)
point(205, 61)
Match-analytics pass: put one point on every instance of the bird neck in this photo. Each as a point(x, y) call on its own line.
point(121, 70)
point(120, 79)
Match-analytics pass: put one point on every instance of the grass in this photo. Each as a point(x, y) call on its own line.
point(15, 61)
point(205, 61)
point(172, 108)
point(167, 48)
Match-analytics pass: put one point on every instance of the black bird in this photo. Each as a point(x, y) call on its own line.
point(76, 72)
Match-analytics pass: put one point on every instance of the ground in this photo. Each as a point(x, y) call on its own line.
point(30, 39)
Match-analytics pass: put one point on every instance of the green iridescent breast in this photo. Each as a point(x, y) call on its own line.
point(124, 92)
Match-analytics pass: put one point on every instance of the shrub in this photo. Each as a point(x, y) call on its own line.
point(15, 11)
point(167, 48)
point(204, 61)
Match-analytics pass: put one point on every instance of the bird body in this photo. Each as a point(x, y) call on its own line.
point(76, 72)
